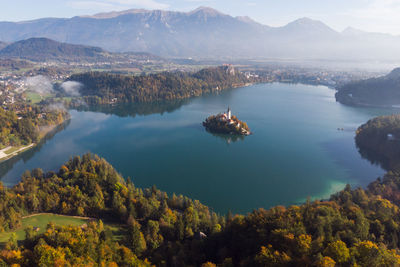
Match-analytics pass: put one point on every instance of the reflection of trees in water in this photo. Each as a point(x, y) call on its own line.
point(133, 109)
point(385, 153)
point(378, 140)
point(7, 165)
point(228, 138)
point(121, 110)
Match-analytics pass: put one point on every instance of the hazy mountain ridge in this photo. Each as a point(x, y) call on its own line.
point(381, 91)
point(206, 33)
point(2, 45)
point(44, 49)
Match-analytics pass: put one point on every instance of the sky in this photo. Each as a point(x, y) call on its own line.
point(368, 15)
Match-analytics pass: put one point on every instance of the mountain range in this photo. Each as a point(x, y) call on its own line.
point(207, 33)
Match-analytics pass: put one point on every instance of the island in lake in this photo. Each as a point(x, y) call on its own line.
point(226, 123)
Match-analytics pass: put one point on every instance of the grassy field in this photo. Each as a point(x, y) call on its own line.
point(118, 231)
point(41, 221)
point(33, 97)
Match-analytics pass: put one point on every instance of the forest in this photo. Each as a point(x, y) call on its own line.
point(108, 88)
point(21, 124)
point(355, 227)
point(378, 141)
point(380, 91)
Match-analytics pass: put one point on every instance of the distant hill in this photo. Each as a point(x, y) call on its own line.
point(382, 91)
point(41, 49)
point(2, 45)
point(208, 34)
point(44, 49)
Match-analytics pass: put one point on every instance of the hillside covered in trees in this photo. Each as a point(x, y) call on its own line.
point(42, 49)
point(354, 228)
point(381, 91)
point(22, 124)
point(378, 141)
point(106, 88)
point(39, 49)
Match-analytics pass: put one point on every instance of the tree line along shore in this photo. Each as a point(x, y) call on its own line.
point(355, 227)
point(25, 124)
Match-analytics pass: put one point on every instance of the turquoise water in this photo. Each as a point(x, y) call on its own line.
point(295, 152)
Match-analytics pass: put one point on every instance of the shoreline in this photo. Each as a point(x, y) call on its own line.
point(5, 157)
point(367, 105)
point(42, 134)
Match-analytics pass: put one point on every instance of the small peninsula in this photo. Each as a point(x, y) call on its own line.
point(226, 123)
point(109, 88)
point(375, 92)
point(378, 141)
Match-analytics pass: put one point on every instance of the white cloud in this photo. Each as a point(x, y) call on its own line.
point(90, 5)
point(104, 5)
point(71, 88)
point(378, 15)
point(141, 3)
point(251, 3)
point(39, 84)
point(379, 9)
point(199, 1)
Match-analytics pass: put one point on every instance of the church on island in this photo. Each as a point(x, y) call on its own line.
point(226, 123)
point(227, 117)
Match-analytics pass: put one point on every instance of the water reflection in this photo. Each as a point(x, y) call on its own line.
point(134, 109)
point(296, 152)
point(27, 155)
point(120, 110)
point(384, 153)
point(341, 151)
point(228, 138)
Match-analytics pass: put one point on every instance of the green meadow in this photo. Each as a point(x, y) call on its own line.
point(41, 222)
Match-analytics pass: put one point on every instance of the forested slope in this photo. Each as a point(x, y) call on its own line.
point(105, 88)
point(21, 125)
point(381, 91)
point(378, 141)
point(354, 228)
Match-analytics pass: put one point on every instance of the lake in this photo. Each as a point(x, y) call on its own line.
point(296, 150)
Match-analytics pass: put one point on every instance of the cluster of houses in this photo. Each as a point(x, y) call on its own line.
point(7, 96)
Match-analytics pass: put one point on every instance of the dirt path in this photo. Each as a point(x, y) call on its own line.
point(3, 154)
point(44, 213)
